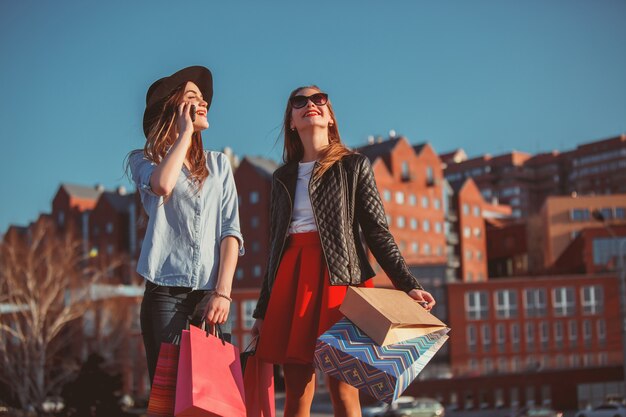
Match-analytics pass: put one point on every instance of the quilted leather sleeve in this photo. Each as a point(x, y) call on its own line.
point(370, 214)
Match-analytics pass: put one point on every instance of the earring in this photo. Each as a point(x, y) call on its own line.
point(330, 124)
point(293, 129)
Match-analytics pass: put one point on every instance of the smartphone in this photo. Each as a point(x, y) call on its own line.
point(192, 113)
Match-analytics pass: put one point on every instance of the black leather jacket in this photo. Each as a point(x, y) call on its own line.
point(345, 201)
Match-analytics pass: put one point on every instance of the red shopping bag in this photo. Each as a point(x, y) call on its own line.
point(209, 380)
point(258, 381)
point(163, 393)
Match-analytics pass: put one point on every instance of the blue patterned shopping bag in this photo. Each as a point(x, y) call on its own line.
point(384, 372)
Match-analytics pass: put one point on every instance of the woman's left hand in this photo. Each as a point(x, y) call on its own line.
point(217, 310)
point(423, 297)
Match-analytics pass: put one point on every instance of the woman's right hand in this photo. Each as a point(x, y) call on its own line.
point(183, 121)
point(256, 328)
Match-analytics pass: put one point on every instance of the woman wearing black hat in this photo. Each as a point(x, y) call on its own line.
point(189, 252)
point(324, 198)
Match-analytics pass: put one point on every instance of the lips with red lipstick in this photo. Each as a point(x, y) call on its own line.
point(311, 113)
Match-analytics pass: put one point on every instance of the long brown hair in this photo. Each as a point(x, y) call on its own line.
point(160, 139)
point(293, 150)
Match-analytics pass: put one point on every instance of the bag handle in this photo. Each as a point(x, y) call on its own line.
point(213, 329)
point(251, 348)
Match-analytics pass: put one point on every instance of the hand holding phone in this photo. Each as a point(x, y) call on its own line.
point(192, 112)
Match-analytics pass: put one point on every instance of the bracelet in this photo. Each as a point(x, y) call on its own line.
point(219, 294)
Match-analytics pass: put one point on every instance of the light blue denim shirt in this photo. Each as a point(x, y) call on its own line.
point(182, 243)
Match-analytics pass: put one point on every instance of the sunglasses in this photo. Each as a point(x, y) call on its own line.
point(319, 99)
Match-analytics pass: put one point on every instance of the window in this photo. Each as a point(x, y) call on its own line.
point(593, 299)
point(399, 197)
point(257, 271)
point(466, 209)
point(605, 250)
point(429, 174)
point(412, 199)
point(535, 302)
point(515, 336)
point(426, 225)
point(437, 227)
point(467, 231)
point(256, 246)
point(400, 222)
point(506, 304)
point(477, 232)
point(254, 197)
point(601, 329)
point(607, 213)
point(386, 195)
point(485, 333)
point(406, 174)
point(436, 203)
point(109, 228)
point(254, 222)
point(239, 273)
point(564, 301)
point(544, 335)
point(558, 334)
point(502, 366)
point(468, 255)
point(426, 249)
point(110, 249)
point(425, 202)
point(413, 223)
point(414, 247)
point(477, 211)
point(471, 338)
point(587, 335)
point(470, 277)
point(579, 215)
point(246, 317)
point(500, 337)
point(476, 305)
point(572, 330)
point(61, 218)
point(529, 329)
point(232, 315)
point(479, 255)
point(620, 212)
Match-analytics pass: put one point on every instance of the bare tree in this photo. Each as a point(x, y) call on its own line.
point(45, 284)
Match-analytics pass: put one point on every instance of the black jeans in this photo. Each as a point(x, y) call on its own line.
point(165, 313)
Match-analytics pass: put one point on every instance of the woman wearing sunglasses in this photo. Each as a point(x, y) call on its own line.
point(189, 252)
point(323, 197)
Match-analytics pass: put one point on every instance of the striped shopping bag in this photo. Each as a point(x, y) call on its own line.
point(163, 394)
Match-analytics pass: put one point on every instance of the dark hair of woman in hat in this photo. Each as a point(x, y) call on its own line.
point(324, 198)
point(192, 240)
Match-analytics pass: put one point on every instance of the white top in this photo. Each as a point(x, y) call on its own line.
point(302, 219)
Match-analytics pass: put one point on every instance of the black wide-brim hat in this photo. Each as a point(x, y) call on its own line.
point(160, 89)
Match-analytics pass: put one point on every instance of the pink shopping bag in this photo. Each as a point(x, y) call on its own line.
point(209, 381)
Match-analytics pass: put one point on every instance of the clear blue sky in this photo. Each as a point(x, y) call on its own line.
point(487, 76)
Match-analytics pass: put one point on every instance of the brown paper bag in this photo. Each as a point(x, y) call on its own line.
point(388, 316)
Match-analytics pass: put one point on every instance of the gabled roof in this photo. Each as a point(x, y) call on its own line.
point(80, 191)
point(120, 202)
point(376, 150)
point(263, 166)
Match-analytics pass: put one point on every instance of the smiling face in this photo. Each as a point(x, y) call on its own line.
point(193, 95)
point(311, 115)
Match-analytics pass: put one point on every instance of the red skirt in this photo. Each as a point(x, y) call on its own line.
point(302, 304)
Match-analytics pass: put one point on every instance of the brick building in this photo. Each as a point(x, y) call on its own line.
point(524, 181)
point(562, 218)
point(527, 327)
point(253, 178)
